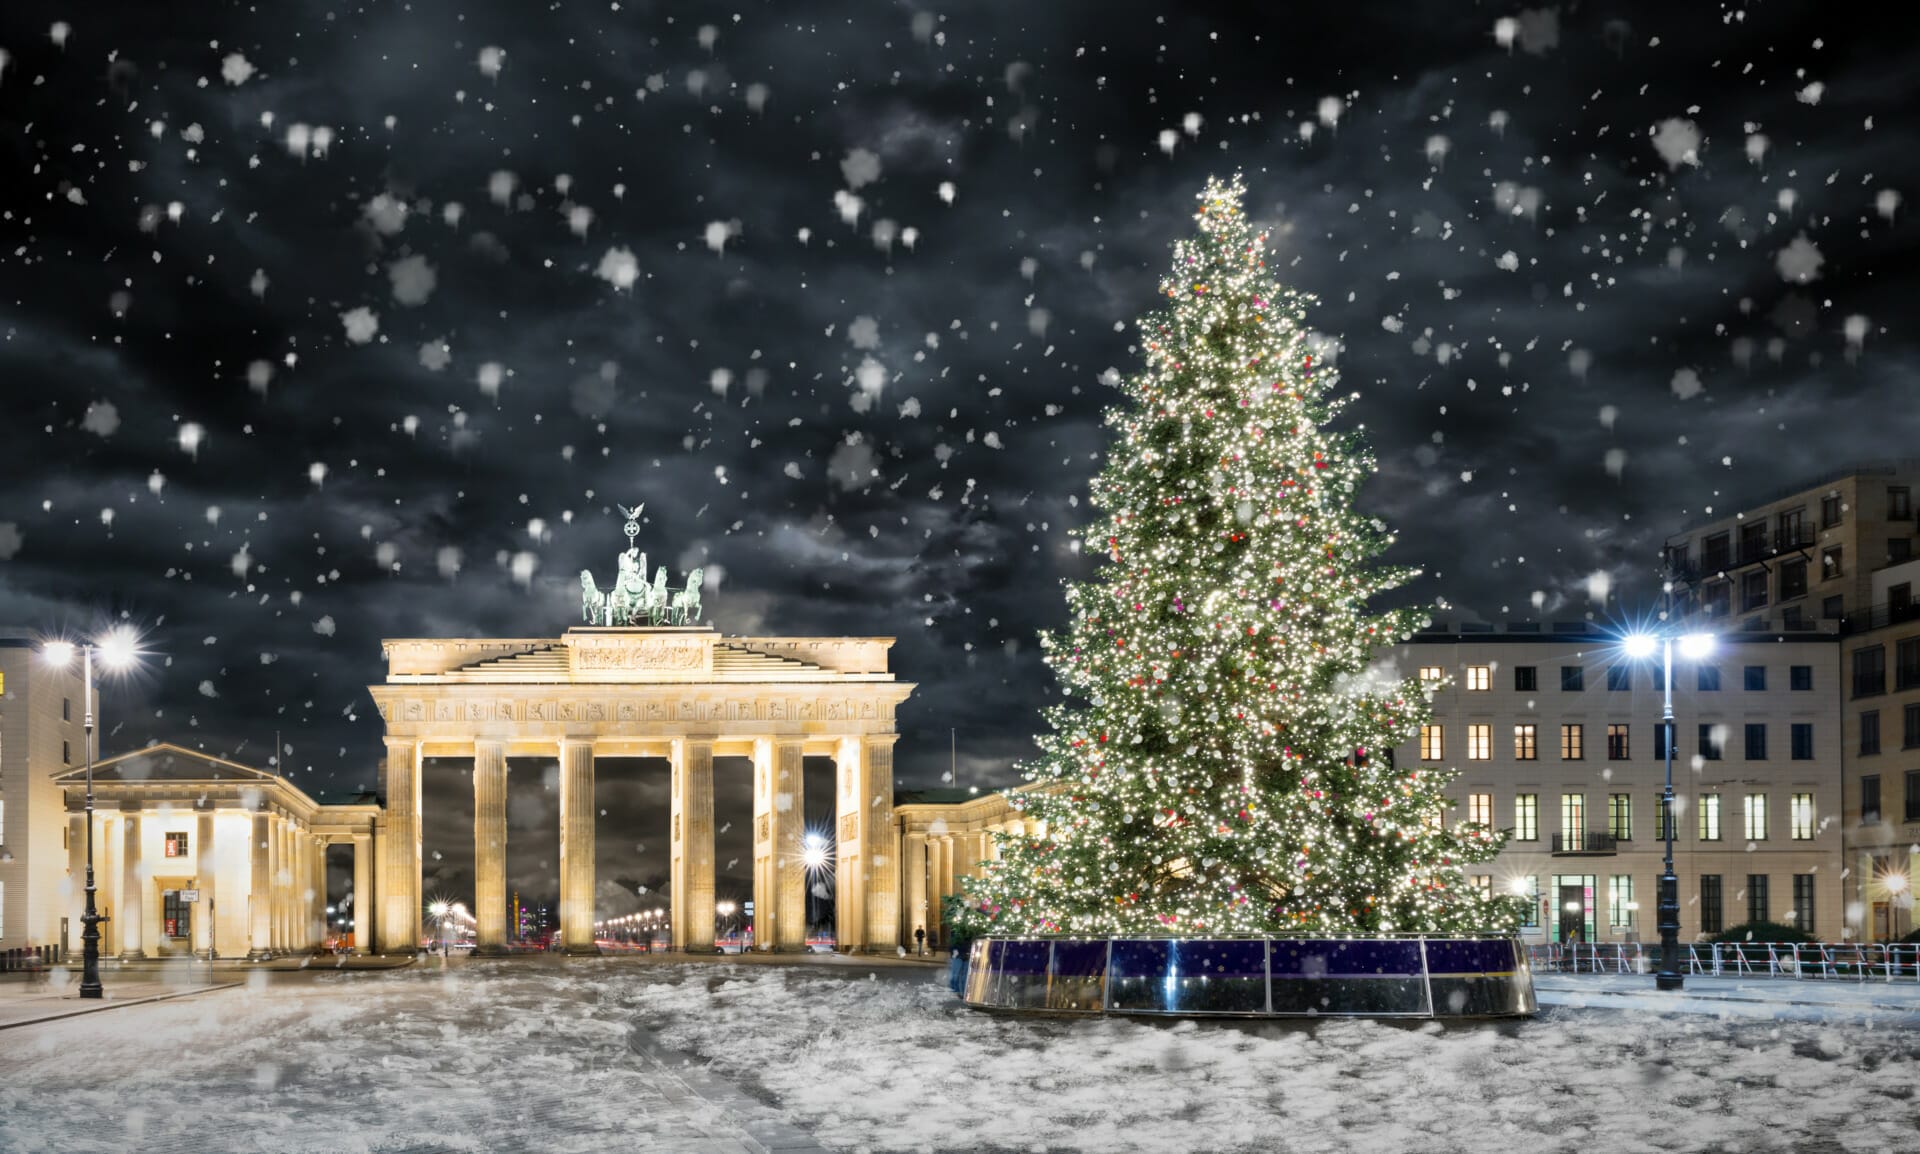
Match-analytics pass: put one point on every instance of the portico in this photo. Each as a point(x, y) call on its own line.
point(685, 694)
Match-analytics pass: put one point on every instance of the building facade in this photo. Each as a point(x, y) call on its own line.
point(41, 710)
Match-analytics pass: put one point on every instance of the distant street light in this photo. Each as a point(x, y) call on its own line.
point(118, 648)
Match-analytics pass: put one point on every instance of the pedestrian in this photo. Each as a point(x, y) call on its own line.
point(920, 940)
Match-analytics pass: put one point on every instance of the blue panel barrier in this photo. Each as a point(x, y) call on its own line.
point(1426, 977)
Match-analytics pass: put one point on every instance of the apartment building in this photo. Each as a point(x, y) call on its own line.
point(1557, 738)
point(1838, 552)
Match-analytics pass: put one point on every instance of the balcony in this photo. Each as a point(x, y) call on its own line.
point(1880, 616)
point(1751, 551)
point(1584, 845)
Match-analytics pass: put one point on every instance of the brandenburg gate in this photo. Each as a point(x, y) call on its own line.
point(682, 692)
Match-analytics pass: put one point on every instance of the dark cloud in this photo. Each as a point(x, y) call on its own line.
point(1514, 271)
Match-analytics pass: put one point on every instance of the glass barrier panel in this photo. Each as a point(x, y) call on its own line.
point(1021, 975)
point(1141, 975)
point(1079, 976)
point(1219, 977)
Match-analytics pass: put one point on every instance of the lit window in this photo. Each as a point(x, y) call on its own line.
point(1479, 678)
point(1430, 673)
point(176, 845)
point(1620, 904)
point(1572, 742)
point(1523, 743)
point(1756, 817)
point(1573, 819)
point(1620, 816)
point(1710, 817)
point(1526, 817)
point(1617, 741)
point(1801, 816)
point(1479, 742)
point(1480, 808)
point(1483, 883)
point(1433, 744)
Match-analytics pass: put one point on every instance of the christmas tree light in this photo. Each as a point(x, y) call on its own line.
point(1222, 761)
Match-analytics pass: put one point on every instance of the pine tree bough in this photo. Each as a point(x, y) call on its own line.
point(1222, 761)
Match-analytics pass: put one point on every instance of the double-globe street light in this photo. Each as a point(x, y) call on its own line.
point(118, 648)
point(1692, 646)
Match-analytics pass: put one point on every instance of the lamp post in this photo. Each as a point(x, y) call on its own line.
point(117, 648)
point(1693, 645)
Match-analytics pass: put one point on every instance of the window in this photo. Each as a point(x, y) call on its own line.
point(1910, 724)
point(1707, 678)
point(176, 845)
point(1906, 664)
point(1713, 738)
point(1480, 808)
point(1433, 743)
point(1620, 816)
point(1430, 673)
point(66, 709)
point(1479, 678)
point(1756, 741)
point(1619, 679)
point(1755, 678)
point(1717, 599)
point(1523, 743)
point(1710, 919)
point(1869, 731)
point(1757, 898)
point(1573, 678)
point(66, 753)
point(1620, 904)
point(1526, 817)
point(1870, 799)
point(1803, 741)
point(1660, 742)
point(1830, 563)
point(1800, 817)
point(1526, 678)
point(1709, 817)
point(1668, 830)
point(1716, 552)
point(1572, 743)
point(1899, 503)
point(1753, 590)
point(1573, 819)
point(1756, 817)
point(1833, 608)
point(1529, 888)
point(1479, 742)
point(1803, 902)
point(1800, 678)
point(1830, 511)
point(176, 916)
point(1658, 675)
point(1899, 549)
point(1617, 741)
point(1913, 795)
point(1870, 671)
point(1789, 527)
point(1753, 541)
point(1793, 579)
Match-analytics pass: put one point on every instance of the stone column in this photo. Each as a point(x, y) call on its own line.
point(131, 916)
point(77, 881)
point(939, 855)
point(317, 892)
point(363, 904)
point(208, 884)
point(692, 844)
point(915, 904)
point(850, 859)
point(490, 846)
point(779, 846)
point(883, 863)
point(576, 847)
point(259, 898)
point(400, 871)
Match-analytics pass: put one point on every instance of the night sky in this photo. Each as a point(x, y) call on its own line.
point(327, 323)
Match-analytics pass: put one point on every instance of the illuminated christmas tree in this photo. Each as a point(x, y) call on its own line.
point(1222, 760)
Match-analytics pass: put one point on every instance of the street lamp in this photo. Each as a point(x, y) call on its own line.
point(117, 647)
point(1693, 646)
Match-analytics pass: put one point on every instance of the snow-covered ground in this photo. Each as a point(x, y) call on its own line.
point(512, 1058)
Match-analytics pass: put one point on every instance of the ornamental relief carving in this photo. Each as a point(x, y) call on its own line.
point(653, 653)
point(444, 711)
point(764, 828)
point(849, 829)
point(540, 711)
point(656, 711)
point(503, 710)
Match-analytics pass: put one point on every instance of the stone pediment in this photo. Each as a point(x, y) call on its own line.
point(166, 764)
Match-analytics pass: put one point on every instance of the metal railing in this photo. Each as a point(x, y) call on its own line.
point(1856, 961)
point(1590, 842)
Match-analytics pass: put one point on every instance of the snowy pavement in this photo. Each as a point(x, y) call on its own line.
point(513, 1057)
